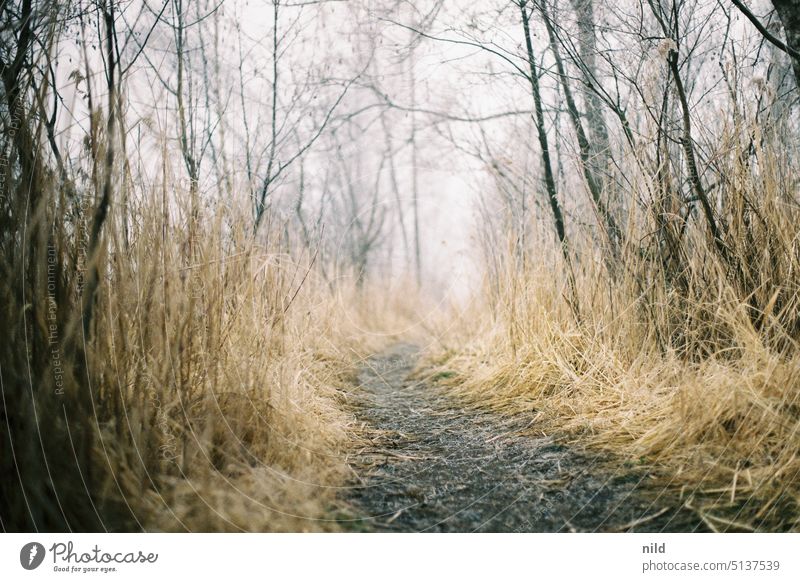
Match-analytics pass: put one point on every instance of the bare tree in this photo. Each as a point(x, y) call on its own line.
point(589, 167)
point(541, 130)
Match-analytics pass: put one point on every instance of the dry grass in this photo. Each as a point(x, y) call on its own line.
point(697, 374)
point(209, 390)
point(208, 396)
point(248, 376)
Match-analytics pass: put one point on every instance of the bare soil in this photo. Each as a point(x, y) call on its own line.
point(434, 464)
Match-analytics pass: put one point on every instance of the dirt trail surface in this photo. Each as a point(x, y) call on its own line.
point(434, 465)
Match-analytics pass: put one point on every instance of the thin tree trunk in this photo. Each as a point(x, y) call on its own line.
point(415, 172)
point(587, 48)
point(101, 212)
point(549, 179)
point(687, 145)
point(261, 204)
point(395, 185)
point(789, 13)
point(595, 188)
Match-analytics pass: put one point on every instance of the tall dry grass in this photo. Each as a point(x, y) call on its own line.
point(690, 366)
point(207, 393)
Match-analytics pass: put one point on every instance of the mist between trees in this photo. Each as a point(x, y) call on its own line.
point(207, 208)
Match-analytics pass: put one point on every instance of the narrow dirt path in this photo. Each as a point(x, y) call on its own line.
point(432, 465)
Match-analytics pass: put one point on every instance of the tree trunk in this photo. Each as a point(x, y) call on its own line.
point(415, 170)
point(595, 189)
point(549, 179)
point(587, 48)
point(789, 13)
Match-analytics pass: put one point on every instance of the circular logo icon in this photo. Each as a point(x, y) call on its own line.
point(31, 555)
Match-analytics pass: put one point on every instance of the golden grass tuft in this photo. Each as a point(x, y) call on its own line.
point(221, 377)
point(694, 372)
point(208, 395)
